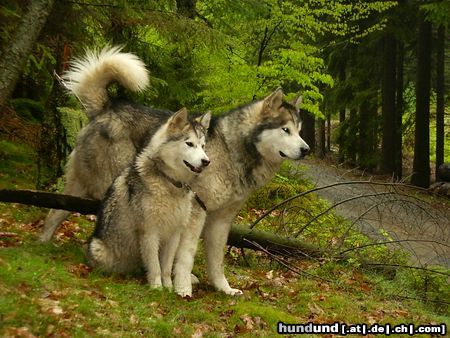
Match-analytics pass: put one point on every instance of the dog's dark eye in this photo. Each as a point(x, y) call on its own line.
point(189, 144)
point(286, 130)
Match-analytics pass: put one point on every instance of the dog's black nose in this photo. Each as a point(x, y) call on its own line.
point(304, 151)
point(205, 162)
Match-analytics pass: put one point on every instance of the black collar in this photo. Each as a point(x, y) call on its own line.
point(199, 201)
point(188, 188)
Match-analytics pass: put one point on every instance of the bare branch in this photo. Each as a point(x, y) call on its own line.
point(336, 204)
point(410, 267)
point(330, 186)
point(393, 242)
point(284, 263)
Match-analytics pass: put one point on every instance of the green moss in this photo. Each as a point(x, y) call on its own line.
point(17, 165)
point(73, 120)
point(28, 109)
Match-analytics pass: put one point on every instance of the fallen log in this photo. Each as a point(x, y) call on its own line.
point(50, 200)
point(240, 236)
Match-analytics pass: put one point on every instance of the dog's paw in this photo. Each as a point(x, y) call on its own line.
point(156, 286)
point(155, 282)
point(44, 237)
point(168, 286)
point(233, 292)
point(167, 283)
point(194, 279)
point(183, 292)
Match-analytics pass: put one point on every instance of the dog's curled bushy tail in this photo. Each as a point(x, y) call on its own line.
point(89, 76)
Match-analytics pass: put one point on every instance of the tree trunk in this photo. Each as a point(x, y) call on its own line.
point(351, 137)
point(440, 93)
point(398, 170)
point(321, 141)
point(388, 145)
point(341, 157)
point(328, 132)
point(15, 53)
point(308, 132)
point(186, 8)
point(366, 144)
point(421, 164)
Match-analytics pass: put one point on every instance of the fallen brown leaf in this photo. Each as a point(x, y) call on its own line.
point(200, 329)
point(315, 309)
point(22, 332)
point(79, 270)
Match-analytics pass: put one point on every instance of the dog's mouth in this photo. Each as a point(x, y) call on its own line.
point(192, 168)
point(301, 156)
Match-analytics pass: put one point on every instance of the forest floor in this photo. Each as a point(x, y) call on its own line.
point(46, 290)
point(422, 225)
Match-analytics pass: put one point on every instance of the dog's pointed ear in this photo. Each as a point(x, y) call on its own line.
point(204, 120)
point(179, 119)
point(274, 100)
point(297, 101)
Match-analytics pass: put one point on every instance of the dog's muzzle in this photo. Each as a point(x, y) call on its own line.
point(197, 170)
point(304, 151)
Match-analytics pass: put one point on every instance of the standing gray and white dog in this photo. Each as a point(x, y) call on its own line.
point(149, 204)
point(116, 131)
point(246, 147)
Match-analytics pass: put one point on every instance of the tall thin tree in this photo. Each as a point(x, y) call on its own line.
point(399, 107)
point(440, 92)
point(421, 163)
point(320, 150)
point(388, 103)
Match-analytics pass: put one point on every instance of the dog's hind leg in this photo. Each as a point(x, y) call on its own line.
point(52, 221)
point(56, 217)
point(99, 255)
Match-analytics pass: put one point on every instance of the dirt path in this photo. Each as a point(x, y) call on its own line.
point(426, 225)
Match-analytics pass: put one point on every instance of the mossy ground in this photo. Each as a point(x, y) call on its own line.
point(47, 290)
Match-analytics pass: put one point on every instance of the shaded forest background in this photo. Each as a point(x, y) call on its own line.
point(374, 74)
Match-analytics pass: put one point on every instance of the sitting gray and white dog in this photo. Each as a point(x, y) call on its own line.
point(149, 204)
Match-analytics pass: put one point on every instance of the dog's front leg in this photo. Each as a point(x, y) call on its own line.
point(215, 236)
point(149, 243)
point(166, 258)
point(184, 259)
